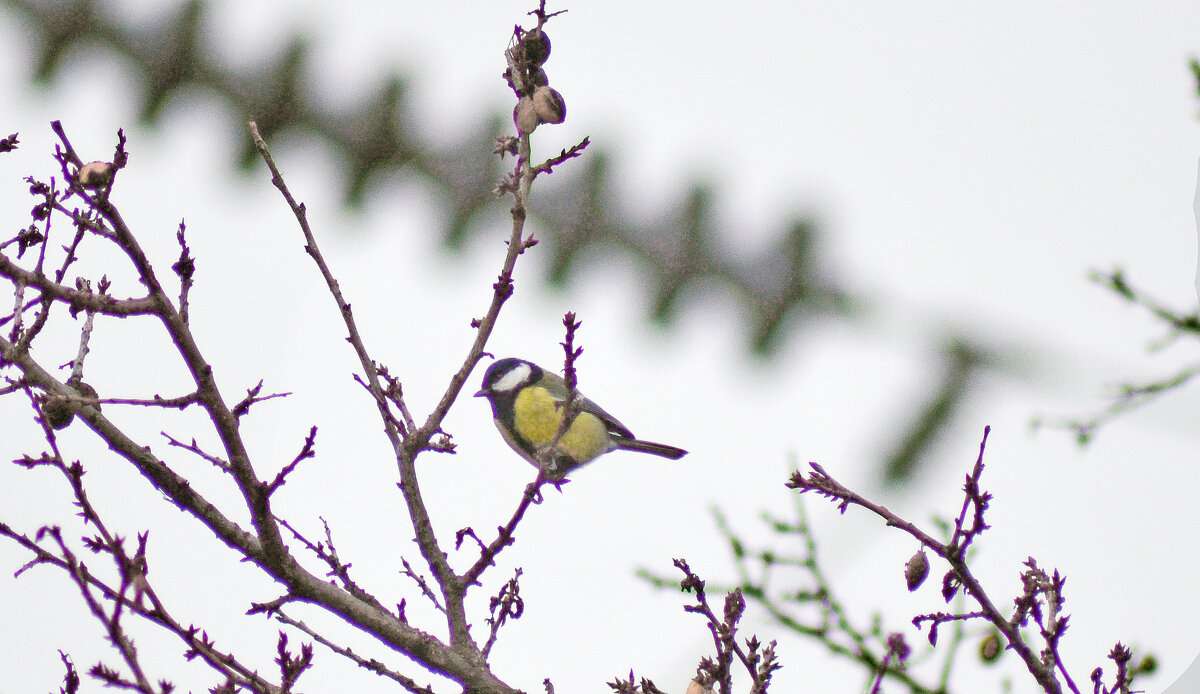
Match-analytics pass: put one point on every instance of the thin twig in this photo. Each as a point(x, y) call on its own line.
point(185, 268)
point(195, 448)
point(508, 603)
point(505, 534)
point(548, 165)
point(306, 452)
point(366, 663)
point(954, 553)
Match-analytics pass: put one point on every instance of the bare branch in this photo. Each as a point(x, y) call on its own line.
point(78, 300)
point(185, 268)
point(508, 603)
point(366, 663)
point(1040, 590)
point(504, 534)
point(308, 451)
point(423, 585)
point(571, 406)
point(194, 447)
point(548, 165)
point(179, 403)
point(252, 397)
point(327, 553)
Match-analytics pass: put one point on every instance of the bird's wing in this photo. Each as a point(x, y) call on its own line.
point(557, 387)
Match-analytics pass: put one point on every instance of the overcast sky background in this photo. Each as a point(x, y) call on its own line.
point(969, 164)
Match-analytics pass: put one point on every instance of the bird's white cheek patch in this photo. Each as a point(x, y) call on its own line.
point(515, 377)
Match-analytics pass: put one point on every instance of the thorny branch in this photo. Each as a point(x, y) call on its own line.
point(508, 603)
point(757, 660)
point(572, 405)
point(1039, 602)
point(98, 219)
point(794, 590)
point(408, 440)
point(369, 664)
point(133, 590)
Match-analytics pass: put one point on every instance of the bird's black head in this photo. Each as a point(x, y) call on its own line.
point(505, 378)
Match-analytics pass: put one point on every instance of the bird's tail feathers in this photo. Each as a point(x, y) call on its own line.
point(659, 449)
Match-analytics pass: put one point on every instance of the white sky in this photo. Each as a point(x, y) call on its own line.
point(970, 165)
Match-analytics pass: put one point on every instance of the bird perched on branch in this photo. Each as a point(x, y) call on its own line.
point(528, 404)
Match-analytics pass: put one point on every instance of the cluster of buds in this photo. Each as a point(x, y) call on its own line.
point(537, 102)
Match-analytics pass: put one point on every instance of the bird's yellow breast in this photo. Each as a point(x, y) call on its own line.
point(537, 415)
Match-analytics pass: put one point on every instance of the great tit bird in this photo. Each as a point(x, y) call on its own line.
point(527, 406)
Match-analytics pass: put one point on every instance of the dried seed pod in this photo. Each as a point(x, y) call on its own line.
point(916, 570)
point(545, 106)
point(536, 46)
point(94, 174)
point(525, 116)
point(549, 104)
point(58, 411)
point(990, 648)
